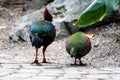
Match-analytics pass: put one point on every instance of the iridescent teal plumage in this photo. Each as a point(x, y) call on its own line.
point(41, 26)
point(39, 30)
point(42, 33)
point(78, 45)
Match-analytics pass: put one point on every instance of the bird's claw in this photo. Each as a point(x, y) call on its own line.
point(74, 64)
point(79, 64)
point(44, 61)
point(36, 62)
point(83, 64)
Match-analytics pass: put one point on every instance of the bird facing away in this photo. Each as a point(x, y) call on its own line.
point(78, 45)
point(42, 33)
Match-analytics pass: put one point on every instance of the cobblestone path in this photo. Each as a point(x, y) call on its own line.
point(14, 70)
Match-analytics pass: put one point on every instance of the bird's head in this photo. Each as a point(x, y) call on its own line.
point(47, 15)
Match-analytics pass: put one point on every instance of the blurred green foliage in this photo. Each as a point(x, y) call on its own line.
point(96, 12)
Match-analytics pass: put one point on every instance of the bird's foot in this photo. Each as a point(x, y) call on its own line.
point(36, 62)
point(78, 64)
point(74, 64)
point(81, 64)
point(44, 61)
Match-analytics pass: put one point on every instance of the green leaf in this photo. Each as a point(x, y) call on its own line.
point(92, 14)
point(96, 12)
point(111, 5)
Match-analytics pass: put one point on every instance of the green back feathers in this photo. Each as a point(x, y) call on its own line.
point(78, 42)
point(41, 23)
point(41, 27)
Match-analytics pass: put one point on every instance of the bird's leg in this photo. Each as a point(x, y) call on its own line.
point(36, 58)
point(44, 59)
point(81, 64)
point(74, 62)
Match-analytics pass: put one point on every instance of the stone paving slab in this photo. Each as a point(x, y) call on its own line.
point(10, 69)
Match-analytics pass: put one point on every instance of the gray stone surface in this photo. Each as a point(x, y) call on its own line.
point(17, 70)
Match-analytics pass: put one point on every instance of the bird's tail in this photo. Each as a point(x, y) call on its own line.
point(37, 41)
